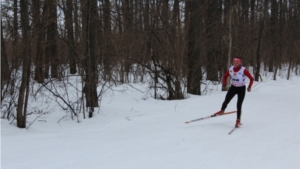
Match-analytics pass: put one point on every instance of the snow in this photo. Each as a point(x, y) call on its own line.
point(134, 131)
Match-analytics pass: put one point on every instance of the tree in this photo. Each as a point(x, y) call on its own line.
point(76, 22)
point(252, 27)
point(15, 35)
point(70, 30)
point(106, 40)
point(260, 40)
point(5, 73)
point(212, 40)
point(127, 35)
point(273, 34)
point(37, 41)
point(91, 78)
point(229, 43)
point(194, 30)
point(51, 47)
point(24, 89)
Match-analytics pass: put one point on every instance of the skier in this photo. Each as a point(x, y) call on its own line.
point(237, 73)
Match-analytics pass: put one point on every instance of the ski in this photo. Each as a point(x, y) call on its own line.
point(203, 118)
point(234, 129)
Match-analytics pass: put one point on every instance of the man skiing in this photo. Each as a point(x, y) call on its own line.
point(237, 73)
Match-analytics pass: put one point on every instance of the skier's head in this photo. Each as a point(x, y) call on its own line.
point(237, 62)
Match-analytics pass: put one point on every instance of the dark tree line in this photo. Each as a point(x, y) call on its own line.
point(179, 43)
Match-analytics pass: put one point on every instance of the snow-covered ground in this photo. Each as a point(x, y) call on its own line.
point(131, 131)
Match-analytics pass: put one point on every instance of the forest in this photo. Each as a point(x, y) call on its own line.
point(174, 45)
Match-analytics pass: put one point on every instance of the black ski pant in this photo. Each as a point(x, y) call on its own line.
point(240, 91)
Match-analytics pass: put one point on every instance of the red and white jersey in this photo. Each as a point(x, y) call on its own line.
point(237, 78)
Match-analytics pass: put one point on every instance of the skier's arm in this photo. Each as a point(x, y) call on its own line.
point(224, 78)
point(247, 73)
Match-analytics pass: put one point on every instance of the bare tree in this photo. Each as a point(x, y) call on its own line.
point(5, 73)
point(70, 30)
point(128, 31)
point(229, 43)
point(90, 68)
point(260, 39)
point(252, 27)
point(273, 34)
point(51, 48)
point(24, 89)
point(76, 22)
point(194, 66)
point(15, 35)
point(37, 40)
point(106, 40)
point(212, 20)
point(293, 58)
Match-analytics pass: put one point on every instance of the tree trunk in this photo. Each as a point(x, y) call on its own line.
point(165, 13)
point(229, 44)
point(90, 58)
point(251, 27)
point(15, 35)
point(273, 34)
point(76, 23)
point(107, 60)
point(69, 26)
point(146, 16)
point(37, 41)
point(52, 38)
point(24, 89)
point(211, 42)
point(128, 31)
point(260, 40)
point(5, 72)
point(194, 66)
point(51, 46)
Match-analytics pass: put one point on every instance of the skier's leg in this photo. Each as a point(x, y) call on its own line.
point(230, 94)
point(241, 95)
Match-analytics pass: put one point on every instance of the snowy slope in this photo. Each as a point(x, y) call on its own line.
point(130, 132)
